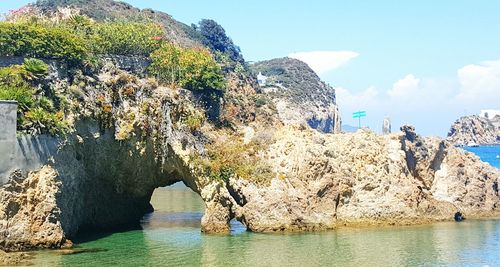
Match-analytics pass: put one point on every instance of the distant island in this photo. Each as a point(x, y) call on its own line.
point(483, 129)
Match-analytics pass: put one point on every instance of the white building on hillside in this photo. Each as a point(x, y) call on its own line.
point(489, 113)
point(261, 79)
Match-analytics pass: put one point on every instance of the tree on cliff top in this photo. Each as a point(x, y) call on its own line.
point(214, 37)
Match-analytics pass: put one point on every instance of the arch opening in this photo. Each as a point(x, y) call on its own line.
point(176, 205)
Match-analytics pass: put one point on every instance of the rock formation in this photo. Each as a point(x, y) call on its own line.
point(475, 129)
point(299, 94)
point(360, 179)
point(386, 126)
point(103, 174)
point(130, 135)
point(321, 182)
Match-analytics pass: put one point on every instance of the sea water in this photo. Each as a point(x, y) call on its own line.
point(171, 236)
point(489, 154)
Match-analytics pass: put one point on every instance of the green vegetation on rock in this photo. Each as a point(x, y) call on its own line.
point(190, 68)
point(35, 68)
point(35, 40)
point(117, 38)
point(230, 156)
point(77, 38)
point(110, 10)
point(37, 112)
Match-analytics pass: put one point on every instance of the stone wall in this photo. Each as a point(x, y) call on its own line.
point(9, 61)
point(23, 152)
point(135, 64)
point(8, 120)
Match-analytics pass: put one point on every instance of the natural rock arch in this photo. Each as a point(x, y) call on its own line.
point(92, 182)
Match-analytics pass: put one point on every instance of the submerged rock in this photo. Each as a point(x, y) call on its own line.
point(15, 259)
point(458, 217)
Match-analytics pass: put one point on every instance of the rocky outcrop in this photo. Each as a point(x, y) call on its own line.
point(31, 216)
point(129, 139)
point(475, 129)
point(325, 182)
point(125, 144)
point(84, 188)
point(130, 135)
point(299, 94)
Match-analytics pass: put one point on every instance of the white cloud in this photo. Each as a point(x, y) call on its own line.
point(430, 104)
point(355, 100)
point(480, 84)
point(405, 87)
point(324, 61)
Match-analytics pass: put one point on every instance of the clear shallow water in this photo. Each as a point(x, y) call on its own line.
point(487, 153)
point(171, 237)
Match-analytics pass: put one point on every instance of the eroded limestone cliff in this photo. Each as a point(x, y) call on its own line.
point(249, 152)
point(326, 181)
point(101, 176)
point(128, 142)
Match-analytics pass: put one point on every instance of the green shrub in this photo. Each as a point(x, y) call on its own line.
point(37, 113)
point(194, 121)
point(23, 95)
point(36, 40)
point(165, 63)
point(214, 36)
point(125, 38)
point(44, 121)
point(35, 68)
point(230, 157)
point(260, 101)
point(14, 87)
point(200, 71)
point(190, 68)
point(76, 38)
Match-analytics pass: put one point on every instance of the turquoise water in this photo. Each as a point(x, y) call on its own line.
point(171, 237)
point(487, 153)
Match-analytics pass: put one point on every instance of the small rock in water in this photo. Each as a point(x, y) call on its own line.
point(459, 217)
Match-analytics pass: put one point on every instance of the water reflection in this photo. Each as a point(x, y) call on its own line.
point(171, 237)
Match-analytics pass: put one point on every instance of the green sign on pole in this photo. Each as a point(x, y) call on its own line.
point(358, 115)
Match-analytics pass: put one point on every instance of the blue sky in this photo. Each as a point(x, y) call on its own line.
point(419, 62)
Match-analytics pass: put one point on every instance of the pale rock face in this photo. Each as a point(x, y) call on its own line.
point(323, 181)
point(327, 181)
point(475, 129)
point(29, 213)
